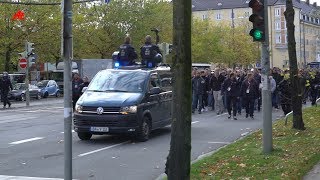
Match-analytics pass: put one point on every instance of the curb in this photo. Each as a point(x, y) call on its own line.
point(31, 106)
point(202, 156)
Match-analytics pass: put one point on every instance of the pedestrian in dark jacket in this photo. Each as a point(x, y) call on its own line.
point(231, 88)
point(127, 53)
point(198, 90)
point(215, 85)
point(285, 94)
point(249, 92)
point(5, 87)
point(76, 88)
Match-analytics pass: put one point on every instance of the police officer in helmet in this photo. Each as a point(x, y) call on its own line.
point(5, 87)
point(127, 53)
point(150, 53)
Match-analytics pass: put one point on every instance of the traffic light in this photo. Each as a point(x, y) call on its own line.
point(257, 18)
point(30, 48)
point(23, 55)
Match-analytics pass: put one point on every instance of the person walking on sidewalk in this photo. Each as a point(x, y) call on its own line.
point(198, 90)
point(231, 88)
point(5, 87)
point(249, 92)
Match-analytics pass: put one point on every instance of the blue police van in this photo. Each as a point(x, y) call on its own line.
point(126, 100)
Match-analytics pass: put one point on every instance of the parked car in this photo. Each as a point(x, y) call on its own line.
point(19, 92)
point(49, 88)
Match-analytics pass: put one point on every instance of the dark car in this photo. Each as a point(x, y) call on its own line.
point(19, 92)
point(49, 88)
point(122, 101)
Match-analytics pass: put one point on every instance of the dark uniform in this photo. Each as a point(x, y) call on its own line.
point(249, 92)
point(231, 89)
point(5, 86)
point(127, 55)
point(285, 95)
point(198, 90)
point(148, 53)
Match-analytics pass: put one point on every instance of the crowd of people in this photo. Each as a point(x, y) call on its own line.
point(232, 90)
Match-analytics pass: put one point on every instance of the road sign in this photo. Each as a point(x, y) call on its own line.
point(23, 63)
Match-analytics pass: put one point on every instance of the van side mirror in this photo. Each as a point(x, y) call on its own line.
point(155, 90)
point(84, 89)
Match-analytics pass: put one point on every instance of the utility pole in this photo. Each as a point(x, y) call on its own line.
point(266, 92)
point(67, 53)
point(27, 95)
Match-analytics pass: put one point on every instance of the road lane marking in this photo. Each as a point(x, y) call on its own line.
point(222, 114)
point(102, 149)
point(71, 131)
point(15, 120)
point(3, 177)
point(26, 140)
point(193, 122)
point(218, 142)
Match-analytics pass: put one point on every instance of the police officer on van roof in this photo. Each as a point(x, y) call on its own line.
point(127, 53)
point(5, 86)
point(150, 53)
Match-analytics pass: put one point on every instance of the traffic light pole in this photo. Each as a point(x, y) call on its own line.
point(266, 92)
point(67, 53)
point(27, 95)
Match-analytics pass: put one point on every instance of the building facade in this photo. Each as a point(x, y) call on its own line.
point(236, 13)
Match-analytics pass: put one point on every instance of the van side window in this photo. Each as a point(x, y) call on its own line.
point(154, 81)
point(166, 81)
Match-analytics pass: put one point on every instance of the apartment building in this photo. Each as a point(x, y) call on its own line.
point(235, 13)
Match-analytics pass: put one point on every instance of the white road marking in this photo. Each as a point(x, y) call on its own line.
point(71, 131)
point(15, 120)
point(193, 122)
point(26, 140)
point(3, 177)
point(105, 148)
point(222, 114)
point(218, 142)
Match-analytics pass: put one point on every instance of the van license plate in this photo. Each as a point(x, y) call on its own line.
point(99, 129)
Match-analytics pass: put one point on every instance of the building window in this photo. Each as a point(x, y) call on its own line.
point(278, 25)
point(317, 21)
point(308, 19)
point(278, 38)
point(277, 11)
point(218, 17)
point(204, 17)
point(303, 17)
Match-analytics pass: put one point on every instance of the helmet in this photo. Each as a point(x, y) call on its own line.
point(158, 58)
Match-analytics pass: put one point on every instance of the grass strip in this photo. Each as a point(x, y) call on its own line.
point(295, 153)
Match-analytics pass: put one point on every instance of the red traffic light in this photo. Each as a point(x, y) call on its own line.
point(19, 15)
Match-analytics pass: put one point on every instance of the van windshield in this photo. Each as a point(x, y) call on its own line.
point(118, 81)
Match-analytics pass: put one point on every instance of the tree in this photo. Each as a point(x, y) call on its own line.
point(178, 161)
point(296, 89)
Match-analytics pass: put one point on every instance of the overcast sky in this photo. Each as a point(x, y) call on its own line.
point(318, 2)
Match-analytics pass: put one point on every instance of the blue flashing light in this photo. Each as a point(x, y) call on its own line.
point(150, 65)
point(116, 64)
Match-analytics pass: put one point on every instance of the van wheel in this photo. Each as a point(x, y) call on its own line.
point(144, 130)
point(58, 94)
point(84, 136)
point(46, 94)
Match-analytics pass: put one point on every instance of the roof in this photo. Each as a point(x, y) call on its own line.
point(203, 5)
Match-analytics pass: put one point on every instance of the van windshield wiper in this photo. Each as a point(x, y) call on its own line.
point(115, 90)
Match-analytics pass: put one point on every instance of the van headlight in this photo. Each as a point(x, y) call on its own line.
point(128, 109)
point(78, 108)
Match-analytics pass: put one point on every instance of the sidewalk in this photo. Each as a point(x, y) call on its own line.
point(314, 174)
point(34, 103)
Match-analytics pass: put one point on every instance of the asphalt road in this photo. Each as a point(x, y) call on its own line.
point(32, 145)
